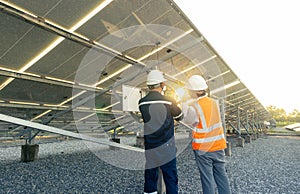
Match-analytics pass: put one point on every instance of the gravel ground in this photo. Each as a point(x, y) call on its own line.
point(267, 165)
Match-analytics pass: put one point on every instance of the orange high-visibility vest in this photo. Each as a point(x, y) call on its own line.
point(208, 135)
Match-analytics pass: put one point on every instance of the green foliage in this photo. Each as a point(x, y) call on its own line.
point(284, 123)
point(280, 115)
point(294, 116)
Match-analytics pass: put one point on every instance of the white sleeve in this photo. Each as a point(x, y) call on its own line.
point(190, 116)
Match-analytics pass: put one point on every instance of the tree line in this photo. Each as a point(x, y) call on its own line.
point(282, 117)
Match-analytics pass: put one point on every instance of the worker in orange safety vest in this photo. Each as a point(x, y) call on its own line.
point(202, 113)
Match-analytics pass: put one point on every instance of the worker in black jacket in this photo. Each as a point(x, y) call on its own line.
point(159, 112)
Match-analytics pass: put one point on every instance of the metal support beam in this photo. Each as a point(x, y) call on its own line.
point(21, 75)
point(251, 126)
point(234, 128)
point(50, 129)
point(245, 128)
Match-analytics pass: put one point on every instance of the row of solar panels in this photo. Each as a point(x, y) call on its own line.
point(63, 63)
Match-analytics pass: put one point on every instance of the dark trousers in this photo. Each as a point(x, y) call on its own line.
point(170, 176)
point(212, 170)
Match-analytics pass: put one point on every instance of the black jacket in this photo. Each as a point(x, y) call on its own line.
point(158, 114)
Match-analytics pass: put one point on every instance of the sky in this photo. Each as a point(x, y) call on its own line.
point(259, 40)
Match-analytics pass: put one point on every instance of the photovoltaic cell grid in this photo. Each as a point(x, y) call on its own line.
point(44, 45)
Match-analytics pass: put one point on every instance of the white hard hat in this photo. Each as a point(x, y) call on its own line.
point(196, 82)
point(155, 77)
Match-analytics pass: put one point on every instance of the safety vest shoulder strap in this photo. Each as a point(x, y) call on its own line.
point(201, 116)
point(205, 127)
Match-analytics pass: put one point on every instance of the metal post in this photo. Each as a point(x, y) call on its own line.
point(29, 135)
point(223, 115)
point(238, 120)
point(115, 132)
point(255, 127)
point(240, 141)
point(228, 144)
point(247, 120)
point(253, 120)
point(256, 124)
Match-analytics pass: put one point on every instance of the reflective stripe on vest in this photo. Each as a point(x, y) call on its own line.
point(209, 139)
point(208, 129)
